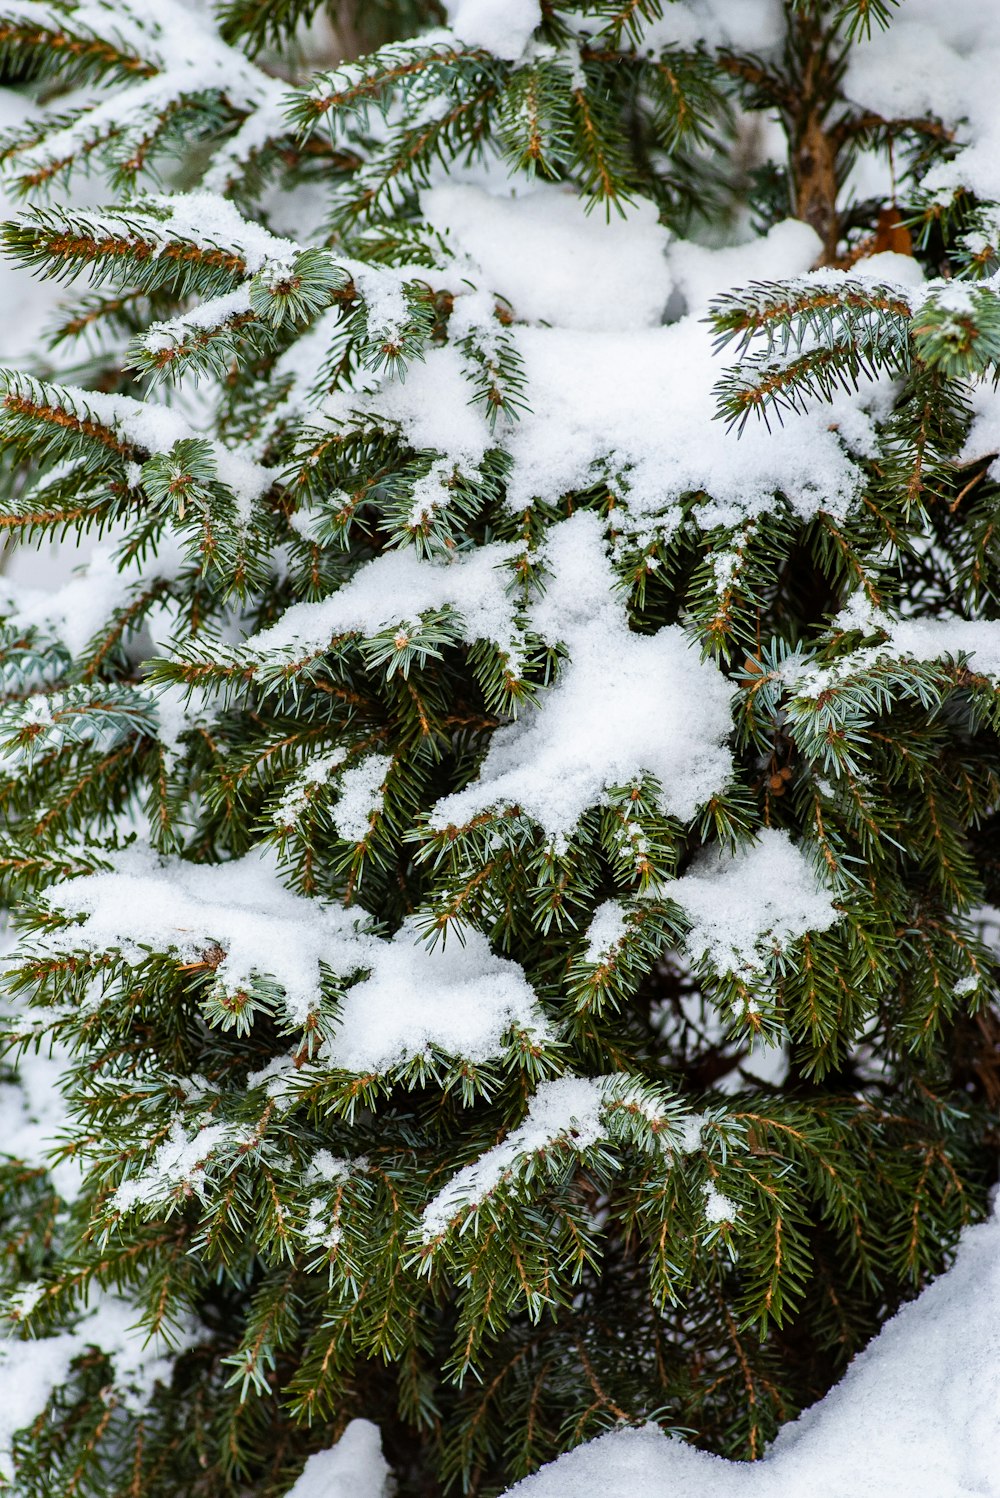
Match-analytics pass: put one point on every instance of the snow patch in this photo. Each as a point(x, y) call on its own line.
point(607, 927)
point(361, 797)
point(459, 999)
point(554, 261)
point(570, 1109)
point(394, 589)
point(624, 705)
point(503, 27)
point(572, 1112)
point(744, 905)
point(353, 1468)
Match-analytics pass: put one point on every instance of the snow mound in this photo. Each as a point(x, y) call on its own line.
point(354, 1468)
point(638, 407)
point(554, 261)
point(614, 395)
point(503, 27)
point(459, 996)
point(640, 703)
point(746, 905)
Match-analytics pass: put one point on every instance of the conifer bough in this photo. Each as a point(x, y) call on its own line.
point(502, 865)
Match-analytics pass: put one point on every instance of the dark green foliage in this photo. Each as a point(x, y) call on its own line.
point(712, 1253)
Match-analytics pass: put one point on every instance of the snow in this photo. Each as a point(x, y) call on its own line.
point(743, 25)
point(326, 1167)
point(458, 999)
point(636, 408)
point(930, 639)
point(75, 611)
point(554, 261)
point(745, 905)
point(889, 268)
point(361, 797)
point(34, 299)
point(431, 492)
point(430, 407)
point(613, 396)
point(570, 1113)
point(298, 793)
point(607, 927)
point(642, 704)
point(179, 709)
point(168, 905)
point(212, 222)
point(907, 639)
point(178, 39)
point(209, 316)
point(940, 61)
point(200, 218)
point(983, 440)
point(718, 1208)
point(33, 1115)
point(353, 1468)
point(156, 428)
point(381, 289)
point(33, 1109)
point(30, 1370)
point(503, 27)
point(395, 589)
point(567, 1112)
point(701, 274)
point(179, 1164)
point(917, 1415)
point(263, 124)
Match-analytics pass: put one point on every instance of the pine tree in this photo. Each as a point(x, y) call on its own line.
point(463, 762)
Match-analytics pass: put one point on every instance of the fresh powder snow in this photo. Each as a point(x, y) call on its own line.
point(570, 1113)
point(459, 999)
point(613, 393)
point(743, 906)
point(396, 588)
point(503, 27)
point(353, 1468)
point(642, 704)
point(554, 261)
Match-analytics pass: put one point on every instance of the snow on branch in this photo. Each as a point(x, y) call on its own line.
point(173, 74)
point(643, 704)
point(238, 924)
point(571, 1116)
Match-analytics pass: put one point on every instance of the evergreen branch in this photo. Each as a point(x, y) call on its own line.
point(53, 46)
point(353, 89)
